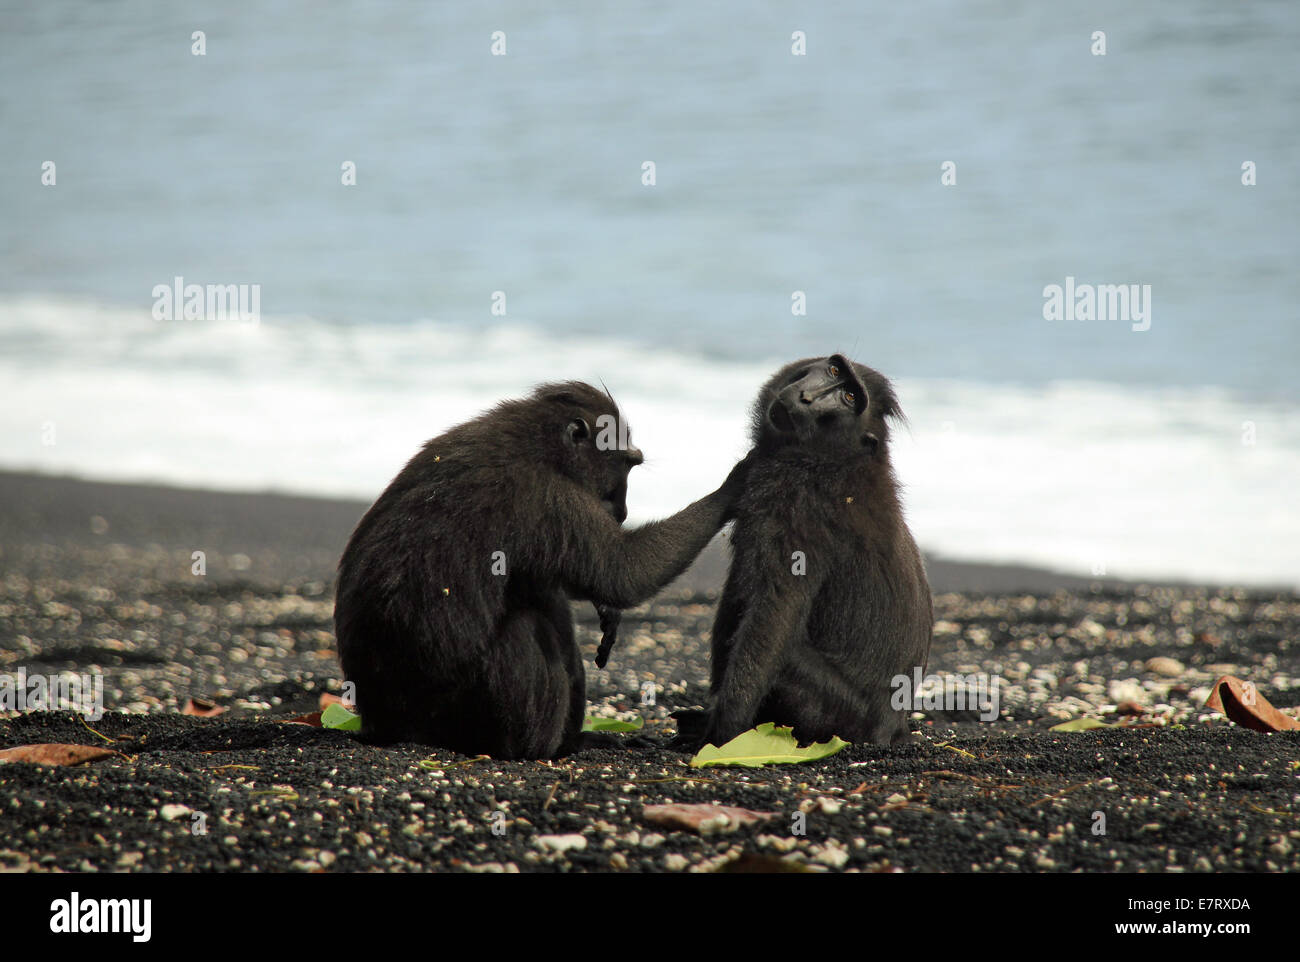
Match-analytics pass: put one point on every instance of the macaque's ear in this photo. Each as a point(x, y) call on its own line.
point(577, 430)
point(870, 442)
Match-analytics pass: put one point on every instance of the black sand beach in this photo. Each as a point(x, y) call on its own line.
point(98, 578)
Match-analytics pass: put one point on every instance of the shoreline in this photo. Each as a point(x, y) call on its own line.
point(270, 536)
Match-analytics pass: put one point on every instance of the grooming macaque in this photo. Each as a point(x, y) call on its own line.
point(452, 607)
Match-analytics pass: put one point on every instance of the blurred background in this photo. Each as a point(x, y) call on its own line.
point(1084, 446)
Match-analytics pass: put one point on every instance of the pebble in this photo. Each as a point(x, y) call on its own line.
point(561, 843)
point(1168, 667)
point(14, 862)
point(832, 853)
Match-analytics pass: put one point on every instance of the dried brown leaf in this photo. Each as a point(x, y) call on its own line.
point(52, 753)
point(1243, 704)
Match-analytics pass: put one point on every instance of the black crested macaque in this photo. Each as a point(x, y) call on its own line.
point(827, 599)
point(452, 604)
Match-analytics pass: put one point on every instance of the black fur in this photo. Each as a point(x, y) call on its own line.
point(445, 652)
point(610, 619)
point(817, 651)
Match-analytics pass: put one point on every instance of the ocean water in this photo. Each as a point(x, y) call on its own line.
point(1172, 451)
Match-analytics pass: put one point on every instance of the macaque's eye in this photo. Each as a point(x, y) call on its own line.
point(835, 371)
point(850, 397)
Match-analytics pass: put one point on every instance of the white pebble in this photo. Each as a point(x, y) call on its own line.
point(173, 812)
point(561, 843)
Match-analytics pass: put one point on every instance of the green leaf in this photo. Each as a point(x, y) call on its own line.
point(611, 725)
point(1079, 725)
point(765, 745)
point(336, 716)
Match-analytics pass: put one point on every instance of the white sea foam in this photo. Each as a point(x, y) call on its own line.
point(1075, 476)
